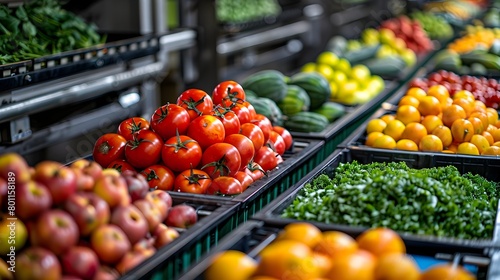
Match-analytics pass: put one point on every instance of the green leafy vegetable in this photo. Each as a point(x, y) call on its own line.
point(437, 201)
point(241, 11)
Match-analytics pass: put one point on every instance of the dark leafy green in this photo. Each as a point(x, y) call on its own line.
point(42, 27)
point(436, 201)
point(241, 11)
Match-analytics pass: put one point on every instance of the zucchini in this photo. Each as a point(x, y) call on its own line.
point(386, 66)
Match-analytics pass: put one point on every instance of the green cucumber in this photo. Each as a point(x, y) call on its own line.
point(306, 122)
point(331, 110)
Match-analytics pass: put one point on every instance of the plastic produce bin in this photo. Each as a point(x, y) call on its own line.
point(253, 236)
point(486, 168)
point(299, 161)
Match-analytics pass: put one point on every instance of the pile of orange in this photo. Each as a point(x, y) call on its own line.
point(302, 251)
point(434, 121)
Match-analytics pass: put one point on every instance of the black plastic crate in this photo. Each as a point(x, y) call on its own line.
point(215, 220)
point(299, 161)
point(253, 236)
point(487, 168)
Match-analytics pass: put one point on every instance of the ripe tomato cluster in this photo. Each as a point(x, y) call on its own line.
point(484, 89)
point(203, 144)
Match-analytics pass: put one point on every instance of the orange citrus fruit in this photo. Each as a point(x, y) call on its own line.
point(463, 94)
point(479, 106)
point(446, 271)
point(497, 144)
point(395, 267)
point(480, 142)
point(408, 100)
point(431, 122)
point(491, 151)
point(231, 264)
point(440, 92)
point(429, 105)
point(287, 257)
point(384, 142)
point(430, 143)
point(323, 262)
point(408, 114)
point(467, 148)
point(394, 129)
point(492, 115)
point(388, 117)
point(444, 133)
point(336, 243)
point(375, 125)
point(462, 130)
point(452, 113)
point(306, 233)
point(414, 131)
point(370, 138)
point(380, 241)
point(495, 133)
point(416, 92)
point(359, 265)
point(406, 145)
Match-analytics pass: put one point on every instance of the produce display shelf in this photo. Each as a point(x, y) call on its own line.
point(121, 48)
point(299, 161)
point(253, 236)
point(215, 220)
point(272, 213)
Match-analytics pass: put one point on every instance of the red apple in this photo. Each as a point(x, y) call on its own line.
point(60, 180)
point(37, 263)
point(181, 216)
point(129, 261)
point(131, 220)
point(5, 273)
point(14, 167)
point(83, 181)
point(32, 198)
point(112, 187)
point(106, 273)
point(150, 212)
point(70, 277)
point(80, 262)
point(110, 243)
point(10, 244)
point(89, 167)
point(56, 230)
point(4, 188)
point(137, 184)
point(157, 198)
point(145, 246)
point(164, 235)
point(88, 210)
point(165, 196)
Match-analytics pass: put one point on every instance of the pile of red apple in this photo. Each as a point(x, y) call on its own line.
point(80, 221)
point(203, 144)
point(412, 33)
point(483, 89)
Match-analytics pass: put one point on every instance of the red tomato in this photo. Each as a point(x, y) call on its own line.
point(241, 112)
point(196, 102)
point(131, 126)
point(221, 159)
point(265, 125)
point(254, 133)
point(244, 146)
point(228, 92)
point(170, 119)
point(286, 135)
point(109, 147)
point(206, 130)
point(159, 177)
point(180, 153)
point(255, 171)
point(244, 179)
point(192, 181)
point(228, 118)
point(121, 165)
point(278, 144)
point(266, 158)
point(225, 185)
point(251, 110)
point(144, 150)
